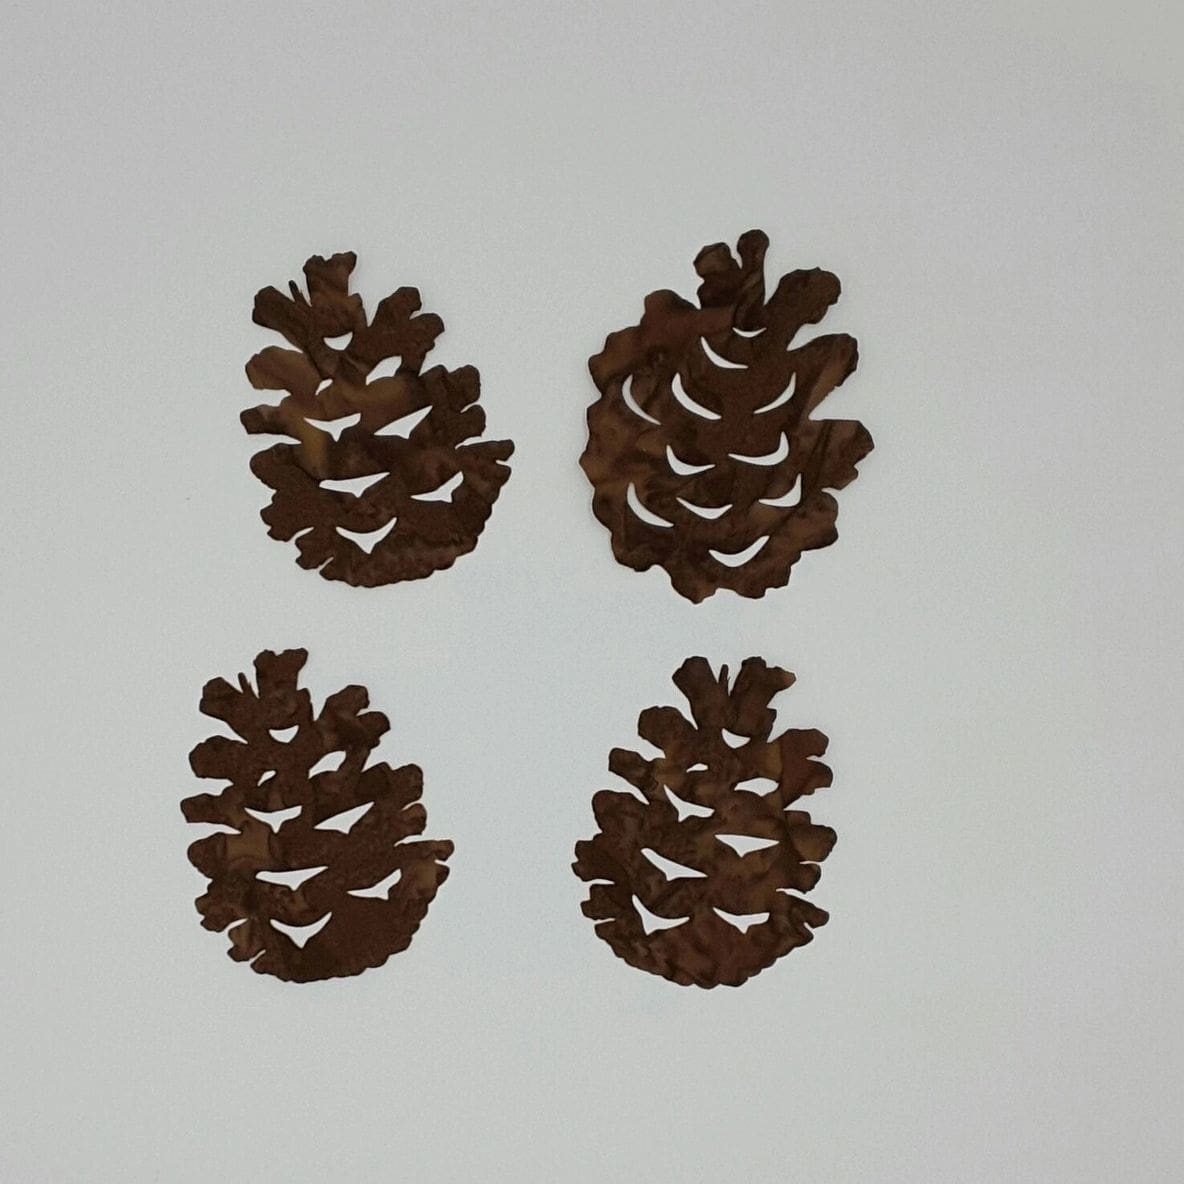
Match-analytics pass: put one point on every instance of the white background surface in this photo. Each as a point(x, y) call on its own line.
point(993, 645)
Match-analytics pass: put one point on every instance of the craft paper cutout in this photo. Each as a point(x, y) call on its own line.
point(701, 449)
point(699, 881)
point(381, 485)
point(318, 877)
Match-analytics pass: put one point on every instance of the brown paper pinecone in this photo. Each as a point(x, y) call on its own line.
point(436, 489)
point(374, 913)
point(704, 423)
point(691, 817)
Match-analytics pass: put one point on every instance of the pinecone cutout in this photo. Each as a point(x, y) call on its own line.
point(317, 877)
point(381, 485)
point(695, 876)
point(701, 449)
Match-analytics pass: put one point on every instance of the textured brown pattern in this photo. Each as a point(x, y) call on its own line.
point(326, 383)
point(714, 806)
point(742, 520)
point(268, 774)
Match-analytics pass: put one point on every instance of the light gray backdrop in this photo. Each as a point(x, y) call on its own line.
point(993, 646)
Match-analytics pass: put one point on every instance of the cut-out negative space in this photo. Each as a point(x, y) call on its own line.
point(632, 403)
point(367, 540)
point(651, 922)
point(443, 492)
point(329, 763)
point(683, 468)
point(683, 399)
point(745, 844)
point(302, 899)
point(387, 368)
point(742, 922)
point(718, 359)
point(402, 427)
point(274, 818)
point(768, 459)
point(642, 511)
point(671, 869)
point(381, 890)
point(301, 935)
point(290, 879)
point(740, 558)
point(355, 486)
point(345, 819)
point(708, 512)
point(782, 398)
point(738, 395)
point(791, 497)
point(335, 427)
point(739, 912)
point(348, 373)
point(687, 809)
point(757, 785)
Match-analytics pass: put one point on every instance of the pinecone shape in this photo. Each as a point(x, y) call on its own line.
point(701, 449)
point(380, 486)
point(695, 876)
point(318, 878)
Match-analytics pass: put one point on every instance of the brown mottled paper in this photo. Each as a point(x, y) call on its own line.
point(381, 484)
point(678, 887)
point(284, 803)
point(701, 449)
